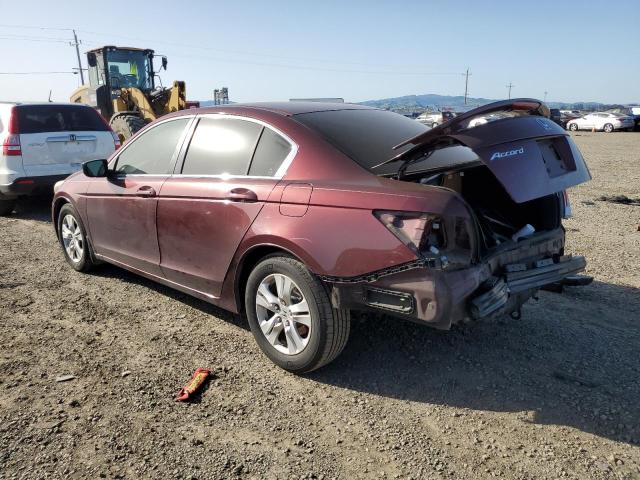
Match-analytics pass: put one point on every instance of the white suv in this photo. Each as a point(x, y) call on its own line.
point(46, 142)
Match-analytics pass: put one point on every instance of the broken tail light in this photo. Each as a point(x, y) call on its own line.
point(427, 236)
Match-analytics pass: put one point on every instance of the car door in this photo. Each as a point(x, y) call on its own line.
point(228, 171)
point(121, 208)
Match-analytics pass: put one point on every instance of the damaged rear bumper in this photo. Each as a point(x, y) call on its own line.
point(523, 280)
point(440, 298)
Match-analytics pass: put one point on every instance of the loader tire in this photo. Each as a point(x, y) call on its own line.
point(125, 126)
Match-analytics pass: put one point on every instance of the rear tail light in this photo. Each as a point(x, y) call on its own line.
point(116, 140)
point(11, 144)
point(566, 205)
point(426, 235)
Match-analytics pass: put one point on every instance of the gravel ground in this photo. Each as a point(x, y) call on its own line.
point(552, 395)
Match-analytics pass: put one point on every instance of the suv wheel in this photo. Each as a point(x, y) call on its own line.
point(73, 239)
point(608, 128)
point(291, 316)
point(6, 207)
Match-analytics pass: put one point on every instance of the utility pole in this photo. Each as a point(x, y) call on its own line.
point(466, 86)
point(77, 45)
point(545, 96)
point(509, 87)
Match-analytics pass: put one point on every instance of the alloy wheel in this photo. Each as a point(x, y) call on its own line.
point(283, 314)
point(72, 238)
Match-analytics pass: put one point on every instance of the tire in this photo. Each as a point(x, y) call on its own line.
point(125, 126)
point(607, 128)
point(80, 258)
point(319, 334)
point(573, 127)
point(6, 207)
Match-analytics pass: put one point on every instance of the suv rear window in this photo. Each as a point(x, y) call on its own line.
point(367, 136)
point(59, 118)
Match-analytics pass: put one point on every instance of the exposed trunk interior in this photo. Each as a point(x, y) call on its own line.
point(499, 217)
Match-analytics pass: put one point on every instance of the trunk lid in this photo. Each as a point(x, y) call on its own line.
point(529, 154)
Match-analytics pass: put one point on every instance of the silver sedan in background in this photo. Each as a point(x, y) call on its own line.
point(601, 121)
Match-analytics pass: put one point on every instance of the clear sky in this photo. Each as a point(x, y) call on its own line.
point(359, 50)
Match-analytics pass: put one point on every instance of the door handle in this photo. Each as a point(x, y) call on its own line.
point(242, 195)
point(146, 191)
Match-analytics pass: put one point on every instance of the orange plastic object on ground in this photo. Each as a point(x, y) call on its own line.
point(194, 384)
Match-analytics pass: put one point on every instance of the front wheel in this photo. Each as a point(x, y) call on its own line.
point(73, 239)
point(608, 128)
point(573, 127)
point(291, 316)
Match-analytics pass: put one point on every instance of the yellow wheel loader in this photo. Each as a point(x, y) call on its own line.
point(122, 88)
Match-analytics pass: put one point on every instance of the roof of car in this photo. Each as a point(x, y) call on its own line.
point(286, 108)
point(38, 104)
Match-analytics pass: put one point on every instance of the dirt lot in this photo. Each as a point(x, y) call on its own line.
point(553, 395)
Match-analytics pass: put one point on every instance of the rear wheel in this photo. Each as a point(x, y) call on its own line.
point(125, 126)
point(291, 316)
point(73, 239)
point(6, 207)
point(573, 127)
point(608, 128)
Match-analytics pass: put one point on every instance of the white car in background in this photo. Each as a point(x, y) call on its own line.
point(46, 142)
point(601, 121)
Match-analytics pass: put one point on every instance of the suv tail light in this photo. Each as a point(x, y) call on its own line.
point(426, 235)
point(116, 139)
point(11, 144)
point(566, 205)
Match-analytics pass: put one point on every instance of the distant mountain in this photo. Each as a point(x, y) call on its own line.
point(431, 101)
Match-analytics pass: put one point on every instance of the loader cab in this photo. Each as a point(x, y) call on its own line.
point(113, 68)
point(121, 68)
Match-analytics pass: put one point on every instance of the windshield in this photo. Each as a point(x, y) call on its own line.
point(367, 136)
point(129, 68)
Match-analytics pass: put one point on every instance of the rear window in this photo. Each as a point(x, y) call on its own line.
point(59, 118)
point(367, 136)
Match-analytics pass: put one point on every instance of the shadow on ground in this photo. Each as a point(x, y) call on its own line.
point(34, 208)
point(573, 360)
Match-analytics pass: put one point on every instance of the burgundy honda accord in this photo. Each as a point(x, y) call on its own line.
point(297, 213)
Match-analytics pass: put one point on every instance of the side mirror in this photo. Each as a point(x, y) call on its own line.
point(164, 62)
point(95, 168)
point(91, 59)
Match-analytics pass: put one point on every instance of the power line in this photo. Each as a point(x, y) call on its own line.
point(35, 73)
point(7, 25)
point(248, 53)
point(26, 39)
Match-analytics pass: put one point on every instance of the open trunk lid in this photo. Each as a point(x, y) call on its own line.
point(529, 154)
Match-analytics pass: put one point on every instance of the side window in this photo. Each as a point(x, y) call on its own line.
point(152, 152)
point(221, 146)
point(271, 151)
